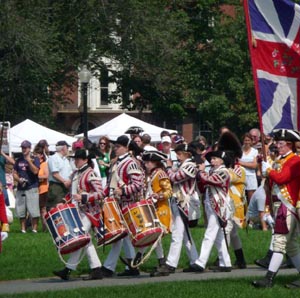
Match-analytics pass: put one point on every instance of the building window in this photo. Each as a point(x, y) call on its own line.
point(104, 87)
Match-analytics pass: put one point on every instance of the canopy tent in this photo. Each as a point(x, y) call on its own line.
point(34, 132)
point(118, 125)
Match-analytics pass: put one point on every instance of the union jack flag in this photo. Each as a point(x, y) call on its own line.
point(274, 36)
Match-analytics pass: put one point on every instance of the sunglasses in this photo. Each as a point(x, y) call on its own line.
point(102, 143)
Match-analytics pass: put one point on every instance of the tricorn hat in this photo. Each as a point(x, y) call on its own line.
point(134, 130)
point(186, 148)
point(287, 135)
point(153, 155)
point(80, 153)
point(122, 140)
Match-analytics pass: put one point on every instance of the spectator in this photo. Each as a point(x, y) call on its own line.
point(256, 141)
point(60, 171)
point(162, 134)
point(103, 160)
point(146, 143)
point(249, 162)
point(45, 146)
point(167, 149)
point(43, 183)
point(26, 170)
point(138, 140)
point(4, 158)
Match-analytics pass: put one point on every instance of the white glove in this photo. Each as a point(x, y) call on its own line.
point(264, 167)
point(269, 219)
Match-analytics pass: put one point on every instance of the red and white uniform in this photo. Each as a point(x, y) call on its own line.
point(215, 185)
point(184, 183)
point(89, 185)
point(127, 175)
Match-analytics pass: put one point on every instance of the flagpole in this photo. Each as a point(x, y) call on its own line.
point(252, 46)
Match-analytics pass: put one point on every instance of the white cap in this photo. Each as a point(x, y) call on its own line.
point(166, 139)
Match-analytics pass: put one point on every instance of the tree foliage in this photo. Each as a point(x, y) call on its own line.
point(181, 57)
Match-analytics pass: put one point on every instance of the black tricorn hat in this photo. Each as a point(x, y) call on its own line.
point(80, 153)
point(153, 155)
point(226, 156)
point(122, 140)
point(186, 148)
point(134, 130)
point(287, 135)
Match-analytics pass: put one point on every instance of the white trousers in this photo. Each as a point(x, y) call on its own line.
point(89, 249)
point(179, 236)
point(213, 235)
point(113, 256)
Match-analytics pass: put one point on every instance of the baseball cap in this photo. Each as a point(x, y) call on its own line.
point(62, 143)
point(166, 139)
point(25, 144)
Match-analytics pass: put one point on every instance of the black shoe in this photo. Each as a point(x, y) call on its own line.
point(163, 270)
point(194, 268)
point(96, 273)
point(129, 272)
point(63, 274)
point(107, 272)
point(266, 282)
point(220, 269)
point(265, 261)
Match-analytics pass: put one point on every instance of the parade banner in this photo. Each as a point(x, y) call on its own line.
point(274, 35)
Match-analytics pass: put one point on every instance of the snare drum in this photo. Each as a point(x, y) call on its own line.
point(142, 222)
point(66, 228)
point(113, 228)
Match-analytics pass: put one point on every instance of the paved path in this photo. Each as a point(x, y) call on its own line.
point(53, 283)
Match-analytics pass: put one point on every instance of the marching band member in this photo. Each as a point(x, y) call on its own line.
point(284, 180)
point(215, 185)
point(184, 195)
point(229, 142)
point(86, 193)
point(159, 190)
point(126, 184)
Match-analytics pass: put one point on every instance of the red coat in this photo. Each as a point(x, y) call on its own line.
point(3, 216)
point(288, 175)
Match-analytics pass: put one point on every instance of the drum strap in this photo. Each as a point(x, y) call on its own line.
point(185, 221)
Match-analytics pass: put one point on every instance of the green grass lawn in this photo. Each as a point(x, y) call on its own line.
point(34, 255)
point(30, 255)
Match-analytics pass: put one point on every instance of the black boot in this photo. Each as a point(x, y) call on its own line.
point(63, 274)
point(161, 262)
point(293, 285)
point(265, 261)
point(130, 271)
point(163, 270)
point(96, 273)
point(240, 259)
point(266, 282)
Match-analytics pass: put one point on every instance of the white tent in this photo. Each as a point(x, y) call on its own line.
point(34, 132)
point(118, 125)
